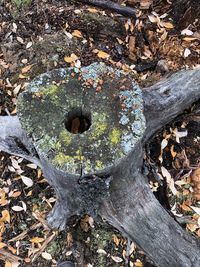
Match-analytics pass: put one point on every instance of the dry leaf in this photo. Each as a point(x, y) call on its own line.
point(117, 259)
point(192, 227)
point(173, 153)
point(153, 19)
point(26, 69)
point(20, 40)
point(138, 263)
point(195, 178)
point(186, 32)
point(145, 4)
point(37, 240)
point(17, 208)
point(5, 216)
point(189, 39)
point(92, 10)
point(185, 207)
point(27, 181)
point(169, 180)
point(29, 44)
point(101, 251)
point(16, 194)
point(164, 143)
point(77, 33)
point(195, 209)
point(32, 166)
point(71, 59)
point(179, 135)
point(102, 54)
point(22, 76)
point(8, 264)
point(2, 245)
point(116, 240)
point(187, 52)
point(17, 89)
point(168, 25)
point(46, 256)
point(24, 205)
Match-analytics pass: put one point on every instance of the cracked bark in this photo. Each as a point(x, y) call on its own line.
point(129, 204)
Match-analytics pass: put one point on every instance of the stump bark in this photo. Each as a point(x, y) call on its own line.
point(98, 170)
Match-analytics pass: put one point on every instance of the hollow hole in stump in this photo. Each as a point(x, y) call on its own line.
point(77, 121)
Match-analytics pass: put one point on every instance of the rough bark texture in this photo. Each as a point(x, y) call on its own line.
point(123, 196)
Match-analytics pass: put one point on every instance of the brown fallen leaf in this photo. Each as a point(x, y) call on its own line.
point(102, 54)
point(5, 216)
point(71, 59)
point(37, 240)
point(77, 33)
point(195, 178)
point(132, 48)
point(2, 245)
point(26, 69)
point(145, 4)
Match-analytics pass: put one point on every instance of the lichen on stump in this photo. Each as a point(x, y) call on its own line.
point(83, 121)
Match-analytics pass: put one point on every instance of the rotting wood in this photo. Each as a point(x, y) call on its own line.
point(121, 195)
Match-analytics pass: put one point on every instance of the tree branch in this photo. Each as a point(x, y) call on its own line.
point(169, 97)
point(135, 212)
point(106, 4)
point(14, 140)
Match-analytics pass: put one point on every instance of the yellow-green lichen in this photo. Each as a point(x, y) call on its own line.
point(50, 89)
point(65, 137)
point(58, 146)
point(99, 164)
point(115, 136)
point(87, 165)
point(62, 159)
point(99, 126)
point(46, 142)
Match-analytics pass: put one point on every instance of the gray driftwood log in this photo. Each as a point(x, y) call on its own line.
point(86, 129)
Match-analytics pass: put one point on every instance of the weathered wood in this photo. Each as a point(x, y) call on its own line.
point(169, 97)
point(14, 140)
point(105, 100)
point(133, 209)
point(121, 194)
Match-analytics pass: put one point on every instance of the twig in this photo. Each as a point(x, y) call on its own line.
point(107, 4)
point(7, 256)
point(24, 233)
point(44, 245)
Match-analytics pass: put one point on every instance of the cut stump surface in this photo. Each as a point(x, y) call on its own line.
point(83, 121)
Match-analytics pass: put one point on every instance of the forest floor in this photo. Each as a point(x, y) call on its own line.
point(43, 35)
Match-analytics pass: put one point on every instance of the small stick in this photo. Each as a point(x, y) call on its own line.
point(44, 245)
point(24, 233)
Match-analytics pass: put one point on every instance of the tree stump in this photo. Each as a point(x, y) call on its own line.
point(86, 129)
point(84, 124)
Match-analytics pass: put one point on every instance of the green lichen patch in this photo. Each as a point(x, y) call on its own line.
point(115, 136)
point(111, 100)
